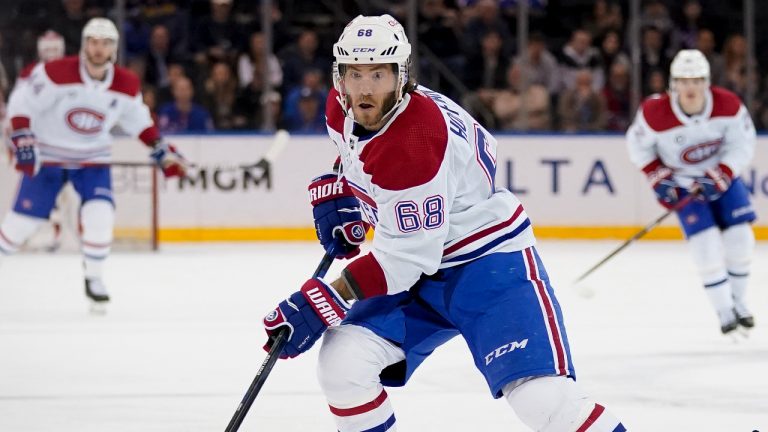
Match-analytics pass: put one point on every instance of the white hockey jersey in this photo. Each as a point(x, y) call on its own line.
point(72, 115)
point(425, 181)
point(689, 145)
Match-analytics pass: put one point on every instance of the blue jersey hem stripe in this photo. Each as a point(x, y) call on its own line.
point(490, 245)
point(384, 426)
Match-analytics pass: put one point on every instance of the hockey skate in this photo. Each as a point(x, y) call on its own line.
point(744, 317)
point(97, 293)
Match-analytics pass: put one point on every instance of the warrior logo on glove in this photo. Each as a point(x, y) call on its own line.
point(338, 219)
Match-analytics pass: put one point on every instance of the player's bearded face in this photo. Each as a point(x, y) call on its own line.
point(98, 52)
point(370, 93)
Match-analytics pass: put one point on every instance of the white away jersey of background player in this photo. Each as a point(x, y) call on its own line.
point(722, 133)
point(72, 115)
point(425, 181)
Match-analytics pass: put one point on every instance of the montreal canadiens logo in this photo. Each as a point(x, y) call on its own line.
point(701, 152)
point(85, 121)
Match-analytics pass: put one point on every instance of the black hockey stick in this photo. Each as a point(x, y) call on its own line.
point(269, 362)
point(646, 229)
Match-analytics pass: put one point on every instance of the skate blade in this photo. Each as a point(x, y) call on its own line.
point(98, 308)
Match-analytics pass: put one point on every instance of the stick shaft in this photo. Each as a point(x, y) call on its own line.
point(269, 362)
point(646, 229)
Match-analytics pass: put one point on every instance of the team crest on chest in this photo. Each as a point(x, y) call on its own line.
point(85, 121)
point(701, 151)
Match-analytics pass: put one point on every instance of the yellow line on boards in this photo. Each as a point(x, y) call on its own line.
point(204, 234)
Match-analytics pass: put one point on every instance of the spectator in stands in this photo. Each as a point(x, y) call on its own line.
point(617, 93)
point(655, 82)
point(310, 113)
point(149, 95)
point(172, 14)
point(183, 115)
point(655, 14)
point(312, 86)
point(761, 107)
point(486, 19)
point(219, 94)
point(508, 104)
point(158, 57)
point(606, 16)
point(486, 72)
point(136, 34)
point(300, 57)
point(70, 24)
point(439, 30)
point(611, 53)
point(488, 68)
point(251, 104)
point(581, 108)
point(736, 73)
point(653, 56)
point(165, 93)
point(705, 42)
point(686, 32)
point(217, 37)
point(579, 54)
point(542, 65)
point(252, 62)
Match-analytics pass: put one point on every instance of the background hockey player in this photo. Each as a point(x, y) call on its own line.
point(452, 255)
point(50, 47)
point(60, 123)
point(698, 137)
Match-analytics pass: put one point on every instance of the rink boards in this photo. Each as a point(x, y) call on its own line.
point(577, 186)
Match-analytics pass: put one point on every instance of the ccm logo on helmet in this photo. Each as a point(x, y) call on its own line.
point(700, 152)
point(363, 50)
point(85, 121)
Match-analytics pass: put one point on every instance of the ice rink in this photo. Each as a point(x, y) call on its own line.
point(182, 341)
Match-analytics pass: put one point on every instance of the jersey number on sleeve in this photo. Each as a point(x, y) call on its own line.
point(485, 156)
point(409, 218)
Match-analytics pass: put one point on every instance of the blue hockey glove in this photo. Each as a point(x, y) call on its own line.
point(27, 153)
point(306, 314)
point(663, 183)
point(715, 182)
point(338, 220)
point(169, 160)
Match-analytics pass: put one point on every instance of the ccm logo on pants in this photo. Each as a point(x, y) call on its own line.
point(507, 348)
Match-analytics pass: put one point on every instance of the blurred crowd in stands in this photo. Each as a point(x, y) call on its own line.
point(202, 62)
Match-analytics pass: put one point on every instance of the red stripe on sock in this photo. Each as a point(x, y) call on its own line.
point(370, 406)
point(593, 416)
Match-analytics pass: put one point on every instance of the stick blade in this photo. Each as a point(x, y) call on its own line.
point(278, 145)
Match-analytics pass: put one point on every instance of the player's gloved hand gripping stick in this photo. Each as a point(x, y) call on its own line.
point(279, 341)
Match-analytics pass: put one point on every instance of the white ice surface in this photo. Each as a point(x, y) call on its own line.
point(182, 341)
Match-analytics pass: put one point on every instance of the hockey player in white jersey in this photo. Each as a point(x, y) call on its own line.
point(699, 139)
point(60, 121)
point(453, 254)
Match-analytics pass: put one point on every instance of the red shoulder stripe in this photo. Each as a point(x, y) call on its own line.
point(125, 81)
point(724, 103)
point(411, 151)
point(64, 71)
point(658, 113)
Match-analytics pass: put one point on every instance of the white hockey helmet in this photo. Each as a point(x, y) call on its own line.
point(372, 40)
point(100, 28)
point(689, 63)
point(50, 46)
